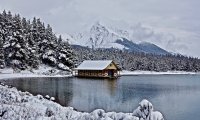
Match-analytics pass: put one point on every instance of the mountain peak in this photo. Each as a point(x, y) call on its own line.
point(98, 27)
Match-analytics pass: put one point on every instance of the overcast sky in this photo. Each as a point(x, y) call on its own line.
point(175, 23)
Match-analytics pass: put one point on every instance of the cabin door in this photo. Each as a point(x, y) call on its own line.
point(111, 73)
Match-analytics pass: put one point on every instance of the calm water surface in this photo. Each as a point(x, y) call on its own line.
point(176, 96)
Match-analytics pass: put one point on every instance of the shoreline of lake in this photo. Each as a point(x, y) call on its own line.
point(20, 75)
point(8, 74)
point(138, 72)
point(43, 71)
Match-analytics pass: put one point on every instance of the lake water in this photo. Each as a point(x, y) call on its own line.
point(176, 96)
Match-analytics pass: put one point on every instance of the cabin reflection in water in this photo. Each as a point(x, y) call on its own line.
point(98, 69)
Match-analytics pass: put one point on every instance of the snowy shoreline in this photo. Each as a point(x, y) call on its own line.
point(20, 75)
point(43, 71)
point(137, 72)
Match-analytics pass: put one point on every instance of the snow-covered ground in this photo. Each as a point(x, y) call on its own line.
point(124, 72)
point(17, 105)
point(43, 71)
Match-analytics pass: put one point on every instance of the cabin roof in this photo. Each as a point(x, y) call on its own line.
point(94, 64)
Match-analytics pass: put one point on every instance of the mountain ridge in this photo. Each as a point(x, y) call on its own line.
point(101, 36)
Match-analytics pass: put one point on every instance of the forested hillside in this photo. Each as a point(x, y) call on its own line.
point(26, 44)
point(139, 61)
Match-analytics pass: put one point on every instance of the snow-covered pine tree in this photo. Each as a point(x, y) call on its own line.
point(7, 25)
point(40, 35)
point(29, 32)
point(49, 46)
point(2, 59)
point(33, 34)
point(17, 46)
point(66, 57)
point(60, 40)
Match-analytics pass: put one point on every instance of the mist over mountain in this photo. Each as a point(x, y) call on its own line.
point(102, 36)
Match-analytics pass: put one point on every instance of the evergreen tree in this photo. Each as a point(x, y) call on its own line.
point(49, 47)
point(18, 46)
point(2, 59)
point(29, 32)
point(40, 35)
point(66, 57)
point(2, 37)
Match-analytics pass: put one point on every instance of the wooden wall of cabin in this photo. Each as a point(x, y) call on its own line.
point(90, 73)
point(95, 73)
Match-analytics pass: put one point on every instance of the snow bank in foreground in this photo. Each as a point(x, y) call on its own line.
point(124, 72)
point(15, 104)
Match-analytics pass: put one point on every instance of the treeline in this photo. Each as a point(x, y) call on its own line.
point(140, 61)
point(25, 44)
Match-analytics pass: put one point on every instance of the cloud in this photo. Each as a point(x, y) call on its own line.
point(177, 18)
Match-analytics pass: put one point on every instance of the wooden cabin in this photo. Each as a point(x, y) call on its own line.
point(97, 68)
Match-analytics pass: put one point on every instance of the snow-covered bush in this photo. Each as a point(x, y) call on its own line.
point(63, 67)
point(145, 111)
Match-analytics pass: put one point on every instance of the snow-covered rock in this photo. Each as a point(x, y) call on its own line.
point(15, 104)
point(47, 96)
point(145, 111)
point(52, 98)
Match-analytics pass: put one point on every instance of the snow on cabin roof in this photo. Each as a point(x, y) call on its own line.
point(94, 64)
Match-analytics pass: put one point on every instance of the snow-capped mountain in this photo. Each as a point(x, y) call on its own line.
point(101, 36)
